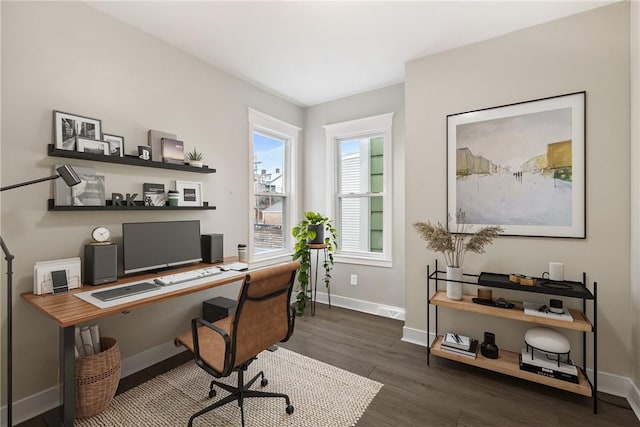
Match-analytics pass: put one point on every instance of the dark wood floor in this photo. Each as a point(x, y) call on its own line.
point(414, 394)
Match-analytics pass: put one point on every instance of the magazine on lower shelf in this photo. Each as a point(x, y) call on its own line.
point(547, 364)
point(460, 342)
point(471, 353)
point(546, 372)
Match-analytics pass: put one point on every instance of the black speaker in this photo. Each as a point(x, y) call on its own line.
point(217, 308)
point(100, 264)
point(211, 245)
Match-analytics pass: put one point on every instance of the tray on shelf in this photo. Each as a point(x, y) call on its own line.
point(542, 286)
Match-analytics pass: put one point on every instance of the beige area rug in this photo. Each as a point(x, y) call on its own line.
point(322, 395)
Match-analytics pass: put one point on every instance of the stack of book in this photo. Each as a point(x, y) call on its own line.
point(542, 363)
point(459, 344)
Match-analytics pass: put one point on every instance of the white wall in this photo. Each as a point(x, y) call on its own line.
point(381, 286)
point(588, 52)
point(68, 56)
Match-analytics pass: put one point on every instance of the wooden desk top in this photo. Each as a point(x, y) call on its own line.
point(68, 310)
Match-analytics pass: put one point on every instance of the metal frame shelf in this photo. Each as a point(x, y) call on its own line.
point(508, 362)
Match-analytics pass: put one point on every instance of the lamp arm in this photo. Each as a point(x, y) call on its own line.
point(35, 181)
point(7, 253)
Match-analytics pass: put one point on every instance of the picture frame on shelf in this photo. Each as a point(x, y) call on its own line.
point(190, 193)
point(116, 144)
point(68, 127)
point(90, 191)
point(520, 166)
point(93, 146)
point(63, 193)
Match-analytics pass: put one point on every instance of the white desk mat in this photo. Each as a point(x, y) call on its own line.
point(86, 296)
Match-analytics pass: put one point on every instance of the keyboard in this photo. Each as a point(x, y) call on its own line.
point(125, 291)
point(186, 276)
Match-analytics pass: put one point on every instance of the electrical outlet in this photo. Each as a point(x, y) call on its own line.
point(354, 279)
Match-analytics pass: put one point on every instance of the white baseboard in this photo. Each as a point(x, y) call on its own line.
point(607, 383)
point(634, 400)
point(382, 310)
point(41, 402)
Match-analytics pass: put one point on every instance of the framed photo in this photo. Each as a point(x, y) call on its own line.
point(190, 193)
point(116, 144)
point(67, 127)
point(520, 166)
point(93, 146)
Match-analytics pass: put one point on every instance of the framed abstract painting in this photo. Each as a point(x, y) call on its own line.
point(520, 166)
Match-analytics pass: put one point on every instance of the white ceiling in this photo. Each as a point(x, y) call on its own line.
point(312, 52)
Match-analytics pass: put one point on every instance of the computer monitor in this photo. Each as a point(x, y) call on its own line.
point(157, 245)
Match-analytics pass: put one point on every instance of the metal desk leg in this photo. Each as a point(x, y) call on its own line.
point(67, 373)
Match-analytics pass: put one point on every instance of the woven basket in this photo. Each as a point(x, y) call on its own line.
point(97, 378)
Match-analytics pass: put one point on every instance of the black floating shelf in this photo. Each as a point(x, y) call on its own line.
point(126, 160)
point(137, 207)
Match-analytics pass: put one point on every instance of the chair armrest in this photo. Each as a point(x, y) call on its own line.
point(196, 342)
point(292, 322)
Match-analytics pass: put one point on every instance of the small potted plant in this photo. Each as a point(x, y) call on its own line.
point(454, 245)
point(314, 228)
point(195, 158)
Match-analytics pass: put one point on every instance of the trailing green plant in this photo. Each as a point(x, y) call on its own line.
point(303, 233)
point(455, 244)
point(194, 155)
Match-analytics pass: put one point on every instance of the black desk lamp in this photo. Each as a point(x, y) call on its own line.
point(70, 178)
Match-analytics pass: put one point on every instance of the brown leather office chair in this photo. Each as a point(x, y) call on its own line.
point(262, 318)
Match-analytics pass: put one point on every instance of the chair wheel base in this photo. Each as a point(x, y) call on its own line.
point(264, 382)
point(290, 409)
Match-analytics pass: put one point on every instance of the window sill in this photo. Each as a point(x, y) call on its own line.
point(271, 260)
point(362, 260)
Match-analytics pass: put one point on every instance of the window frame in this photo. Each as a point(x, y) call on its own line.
point(271, 127)
point(379, 125)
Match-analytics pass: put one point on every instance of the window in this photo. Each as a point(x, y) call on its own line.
point(272, 143)
point(360, 167)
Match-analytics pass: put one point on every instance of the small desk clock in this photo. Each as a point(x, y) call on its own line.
point(101, 235)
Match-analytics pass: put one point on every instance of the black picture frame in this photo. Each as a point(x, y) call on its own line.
point(68, 127)
point(116, 144)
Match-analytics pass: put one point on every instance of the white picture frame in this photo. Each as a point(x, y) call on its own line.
point(520, 166)
point(93, 146)
point(190, 193)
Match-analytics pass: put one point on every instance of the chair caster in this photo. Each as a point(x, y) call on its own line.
point(290, 409)
point(264, 382)
point(212, 393)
